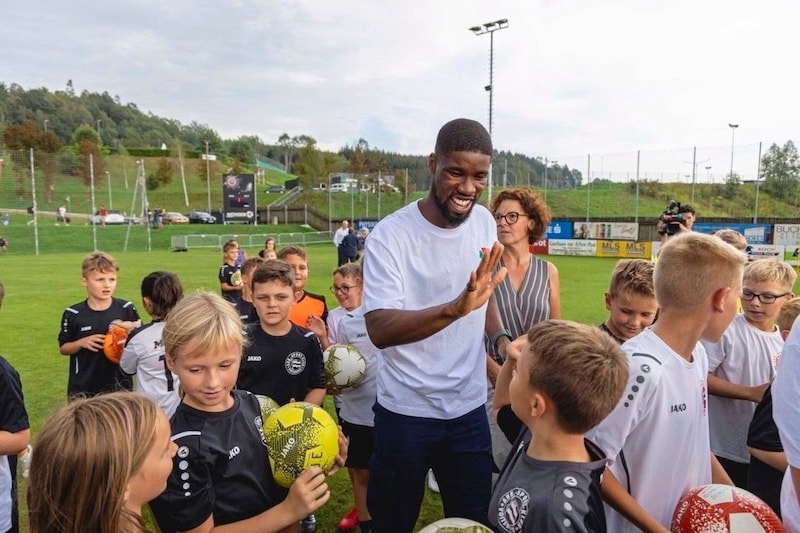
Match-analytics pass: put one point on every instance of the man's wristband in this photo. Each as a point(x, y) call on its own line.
point(501, 333)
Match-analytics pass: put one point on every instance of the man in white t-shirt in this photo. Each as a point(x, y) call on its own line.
point(429, 275)
point(338, 237)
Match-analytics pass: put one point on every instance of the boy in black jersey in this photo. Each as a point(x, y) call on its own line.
point(221, 472)
point(630, 300)
point(230, 276)
point(281, 360)
point(84, 326)
point(245, 304)
point(561, 380)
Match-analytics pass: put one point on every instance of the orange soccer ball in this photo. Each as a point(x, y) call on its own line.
point(114, 343)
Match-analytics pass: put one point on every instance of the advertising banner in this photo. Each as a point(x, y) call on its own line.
point(572, 247)
point(628, 231)
point(238, 198)
point(630, 249)
point(753, 233)
point(539, 247)
point(764, 251)
point(786, 235)
point(559, 229)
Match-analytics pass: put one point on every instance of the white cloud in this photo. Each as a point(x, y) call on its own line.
point(570, 77)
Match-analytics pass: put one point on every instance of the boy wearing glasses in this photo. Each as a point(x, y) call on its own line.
point(743, 363)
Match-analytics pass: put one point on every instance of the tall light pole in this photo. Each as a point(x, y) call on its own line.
point(733, 135)
point(708, 174)
point(490, 28)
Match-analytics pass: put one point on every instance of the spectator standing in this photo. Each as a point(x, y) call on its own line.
point(338, 237)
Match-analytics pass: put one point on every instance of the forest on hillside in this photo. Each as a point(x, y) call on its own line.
point(61, 120)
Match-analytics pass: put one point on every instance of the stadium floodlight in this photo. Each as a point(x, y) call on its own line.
point(733, 135)
point(490, 28)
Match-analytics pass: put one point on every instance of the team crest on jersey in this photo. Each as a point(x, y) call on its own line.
point(259, 422)
point(513, 509)
point(295, 363)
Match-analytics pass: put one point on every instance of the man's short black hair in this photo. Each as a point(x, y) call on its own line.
point(686, 208)
point(464, 135)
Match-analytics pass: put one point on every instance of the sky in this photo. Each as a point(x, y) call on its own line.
point(571, 78)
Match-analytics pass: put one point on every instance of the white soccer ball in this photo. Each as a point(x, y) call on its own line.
point(455, 525)
point(344, 366)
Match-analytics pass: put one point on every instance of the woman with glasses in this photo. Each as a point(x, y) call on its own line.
point(530, 293)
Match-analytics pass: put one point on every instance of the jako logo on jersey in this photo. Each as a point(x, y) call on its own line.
point(233, 452)
point(512, 509)
point(677, 408)
point(86, 328)
point(361, 335)
point(256, 358)
point(295, 363)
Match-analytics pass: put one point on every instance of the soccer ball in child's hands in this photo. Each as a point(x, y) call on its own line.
point(114, 343)
point(723, 509)
point(455, 525)
point(300, 435)
point(267, 406)
point(344, 366)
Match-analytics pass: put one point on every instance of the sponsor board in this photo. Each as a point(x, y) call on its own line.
point(559, 229)
point(764, 251)
point(572, 247)
point(786, 235)
point(629, 249)
point(753, 233)
point(539, 247)
point(628, 231)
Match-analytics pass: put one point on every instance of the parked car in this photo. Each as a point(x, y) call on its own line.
point(173, 217)
point(278, 189)
point(113, 217)
point(201, 217)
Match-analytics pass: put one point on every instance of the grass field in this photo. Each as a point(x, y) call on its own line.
point(39, 288)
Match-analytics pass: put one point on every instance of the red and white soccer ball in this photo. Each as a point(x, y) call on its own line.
point(723, 509)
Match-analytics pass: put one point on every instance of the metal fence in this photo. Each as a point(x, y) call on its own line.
point(255, 240)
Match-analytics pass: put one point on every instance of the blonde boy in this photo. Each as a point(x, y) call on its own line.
point(630, 299)
point(767, 458)
point(84, 326)
point(743, 363)
point(697, 280)
point(568, 377)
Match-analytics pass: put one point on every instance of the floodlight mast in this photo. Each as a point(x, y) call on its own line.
point(490, 28)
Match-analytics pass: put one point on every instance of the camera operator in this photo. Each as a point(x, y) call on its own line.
point(686, 216)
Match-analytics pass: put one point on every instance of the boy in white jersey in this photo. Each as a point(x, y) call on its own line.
point(743, 363)
point(697, 281)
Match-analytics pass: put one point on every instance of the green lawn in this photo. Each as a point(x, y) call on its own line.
point(39, 288)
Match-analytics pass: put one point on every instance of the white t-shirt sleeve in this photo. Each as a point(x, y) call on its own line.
point(383, 282)
point(610, 435)
point(785, 407)
point(130, 358)
point(718, 351)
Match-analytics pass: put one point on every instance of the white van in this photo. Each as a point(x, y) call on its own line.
point(338, 187)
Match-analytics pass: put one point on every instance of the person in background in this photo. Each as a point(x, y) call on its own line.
point(3, 244)
point(338, 236)
point(230, 277)
point(269, 245)
point(349, 247)
point(529, 294)
point(630, 300)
